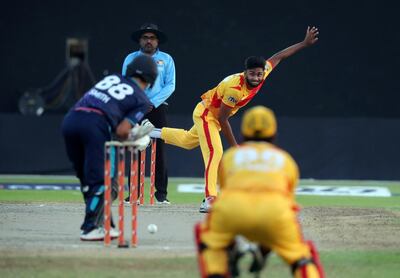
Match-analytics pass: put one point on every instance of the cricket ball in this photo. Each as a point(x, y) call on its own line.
point(152, 228)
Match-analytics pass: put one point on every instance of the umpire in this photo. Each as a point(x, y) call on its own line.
point(148, 36)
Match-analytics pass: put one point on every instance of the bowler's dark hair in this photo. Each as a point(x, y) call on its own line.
point(253, 62)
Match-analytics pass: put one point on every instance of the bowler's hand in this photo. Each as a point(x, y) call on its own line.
point(311, 36)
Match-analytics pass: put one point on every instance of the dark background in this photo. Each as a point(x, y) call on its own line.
point(351, 72)
point(347, 83)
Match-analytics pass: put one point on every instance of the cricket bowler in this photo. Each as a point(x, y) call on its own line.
point(212, 113)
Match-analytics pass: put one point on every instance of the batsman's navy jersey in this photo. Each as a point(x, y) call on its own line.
point(118, 98)
point(86, 128)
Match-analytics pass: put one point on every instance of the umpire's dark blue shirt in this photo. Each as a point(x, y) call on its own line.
point(118, 97)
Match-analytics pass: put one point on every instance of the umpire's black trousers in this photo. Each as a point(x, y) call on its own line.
point(158, 117)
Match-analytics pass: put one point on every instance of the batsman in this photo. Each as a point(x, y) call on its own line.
point(257, 201)
point(112, 108)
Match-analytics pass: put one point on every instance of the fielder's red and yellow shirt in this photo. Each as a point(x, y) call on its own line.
point(233, 92)
point(260, 167)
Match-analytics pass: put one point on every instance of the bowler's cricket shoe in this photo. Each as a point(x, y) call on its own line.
point(206, 205)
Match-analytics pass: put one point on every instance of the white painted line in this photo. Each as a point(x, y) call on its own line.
point(191, 188)
point(360, 191)
point(321, 190)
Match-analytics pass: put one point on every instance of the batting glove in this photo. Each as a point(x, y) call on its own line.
point(138, 131)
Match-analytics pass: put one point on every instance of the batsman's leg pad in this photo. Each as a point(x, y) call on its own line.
point(94, 213)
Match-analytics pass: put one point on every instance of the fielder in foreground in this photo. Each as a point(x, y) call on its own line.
point(257, 201)
point(113, 106)
point(212, 114)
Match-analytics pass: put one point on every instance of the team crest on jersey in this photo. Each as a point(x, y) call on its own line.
point(160, 62)
point(232, 99)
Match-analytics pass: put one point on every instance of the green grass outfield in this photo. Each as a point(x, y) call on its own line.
point(337, 263)
point(192, 198)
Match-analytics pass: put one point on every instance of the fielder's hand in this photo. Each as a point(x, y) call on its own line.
point(139, 131)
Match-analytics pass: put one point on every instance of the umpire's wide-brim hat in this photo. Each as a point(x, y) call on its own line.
point(152, 28)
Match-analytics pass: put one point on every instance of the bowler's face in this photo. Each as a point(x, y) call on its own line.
point(148, 43)
point(254, 76)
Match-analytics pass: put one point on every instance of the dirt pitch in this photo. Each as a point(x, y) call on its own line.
point(53, 229)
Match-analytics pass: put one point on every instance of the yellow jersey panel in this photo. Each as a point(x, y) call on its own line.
point(258, 166)
point(233, 92)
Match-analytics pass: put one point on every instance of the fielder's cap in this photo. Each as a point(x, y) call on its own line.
point(259, 122)
point(152, 28)
point(143, 66)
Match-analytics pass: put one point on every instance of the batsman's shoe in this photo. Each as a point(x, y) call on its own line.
point(96, 234)
point(206, 205)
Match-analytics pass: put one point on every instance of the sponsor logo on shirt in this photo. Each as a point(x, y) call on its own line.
point(139, 116)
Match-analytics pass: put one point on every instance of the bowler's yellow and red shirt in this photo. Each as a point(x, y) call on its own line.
point(233, 92)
